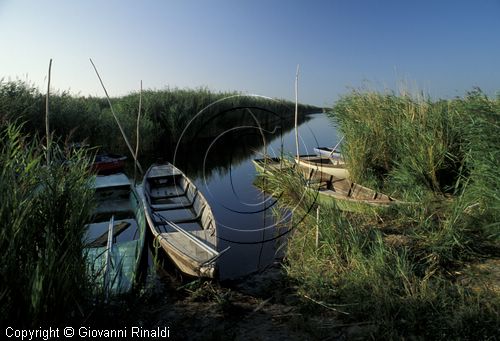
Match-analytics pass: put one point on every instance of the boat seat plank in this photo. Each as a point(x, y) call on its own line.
point(178, 216)
point(175, 214)
point(190, 227)
point(188, 247)
point(120, 205)
point(194, 228)
point(178, 221)
point(166, 192)
point(168, 207)
point(173, 203)
point(98, 228)
point(162, 171)
point(103, 238)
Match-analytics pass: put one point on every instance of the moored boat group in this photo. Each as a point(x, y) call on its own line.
point(180, 218)
point(326, 175)
point(176, 212)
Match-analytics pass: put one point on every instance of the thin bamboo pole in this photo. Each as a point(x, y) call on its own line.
point(137, 133)
point(47, 128)
point(317, 227)
point(116, 119)
point(334, 148)
point(297, 111)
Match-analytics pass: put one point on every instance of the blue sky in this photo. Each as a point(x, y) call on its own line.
point(441, 47)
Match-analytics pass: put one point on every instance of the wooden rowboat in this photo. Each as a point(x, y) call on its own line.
point(328, 152)
point(115, 237)
point(181, 220)
point(335, 167)
point(348, 195)
point(271, 164)
point(108, 163)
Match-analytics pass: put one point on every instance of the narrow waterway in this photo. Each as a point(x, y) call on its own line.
point(243, 214)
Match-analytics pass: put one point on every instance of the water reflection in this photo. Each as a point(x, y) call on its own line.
point(221, 168)
point(227, 142)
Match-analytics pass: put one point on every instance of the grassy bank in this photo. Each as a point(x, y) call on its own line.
point(425, 270)
point(165, 115)
point(43, 209)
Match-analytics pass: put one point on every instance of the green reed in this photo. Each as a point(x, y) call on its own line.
point(165, 115)
point(43, 211)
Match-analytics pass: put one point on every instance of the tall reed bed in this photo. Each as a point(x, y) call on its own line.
point(43, 209)
point(405, 272)
point(420, 149)
point(165, 114)
point(413, 141)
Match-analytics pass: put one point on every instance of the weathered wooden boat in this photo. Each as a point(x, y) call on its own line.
point(115, 237)
point(348, 195)
point(108, 163)
point(271, 164)
point(328, 152)
point(181, 220)
point(335, 167)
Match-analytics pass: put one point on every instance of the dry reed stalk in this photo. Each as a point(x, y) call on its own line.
point(137, 132)
point(47, 130)
point(116, 119)
point(317, 227)
point(297, 111)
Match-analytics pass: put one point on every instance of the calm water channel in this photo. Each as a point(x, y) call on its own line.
point(223, 170)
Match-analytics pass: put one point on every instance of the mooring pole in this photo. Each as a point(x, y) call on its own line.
point(297, 111)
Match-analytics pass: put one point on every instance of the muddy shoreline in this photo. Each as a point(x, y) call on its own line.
point(259, 306)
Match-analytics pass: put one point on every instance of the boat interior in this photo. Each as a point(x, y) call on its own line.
point(117, 203)
point(329, 184)
point(322, 161)
point(175, 200)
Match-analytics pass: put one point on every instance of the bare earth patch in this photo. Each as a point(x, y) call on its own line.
point(258, 307)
